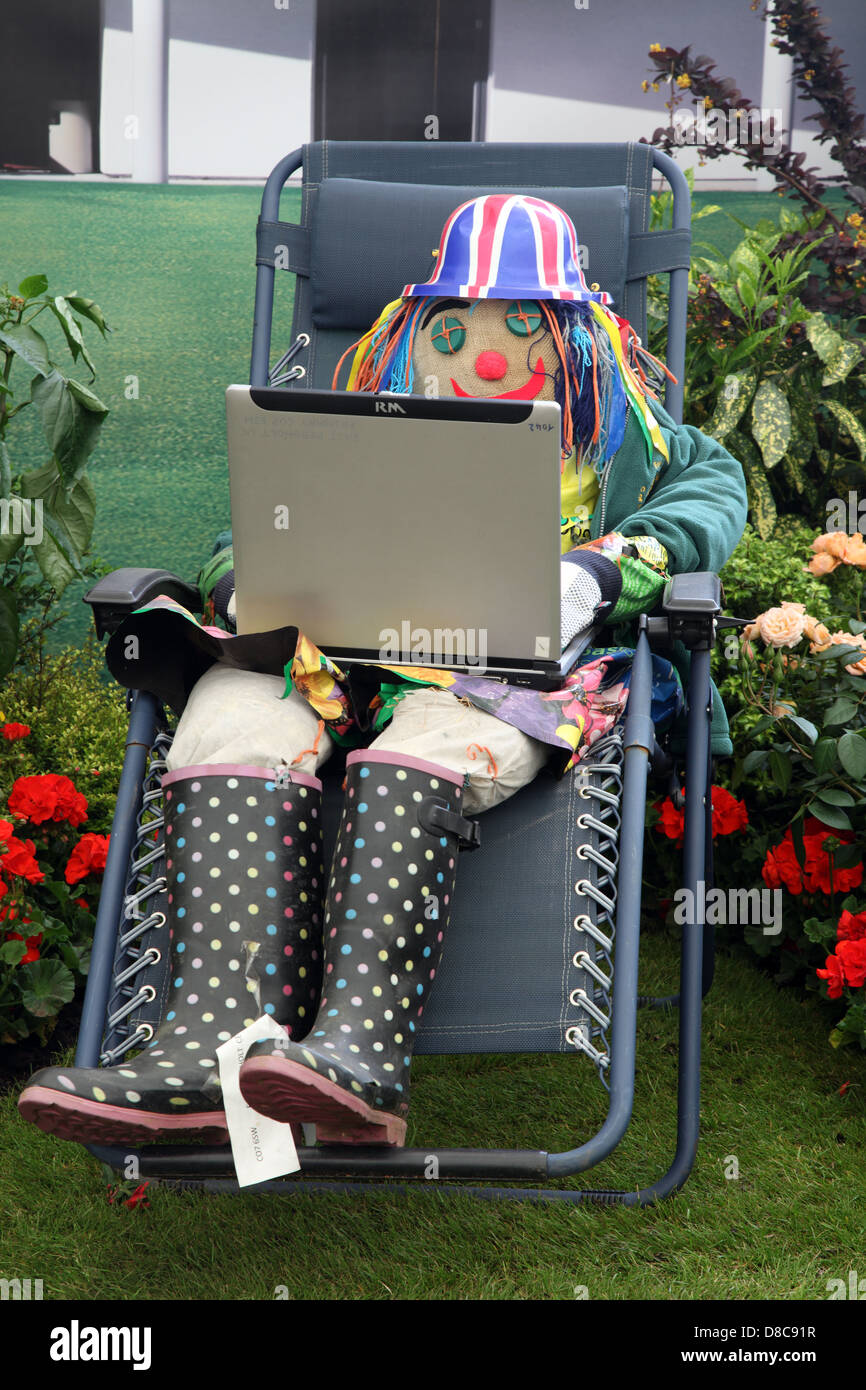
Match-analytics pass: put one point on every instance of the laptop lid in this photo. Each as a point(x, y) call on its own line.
point(399, 529)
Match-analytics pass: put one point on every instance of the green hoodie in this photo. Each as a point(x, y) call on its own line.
point(695, 504)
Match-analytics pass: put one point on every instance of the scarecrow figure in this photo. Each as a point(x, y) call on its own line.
point(345, 961)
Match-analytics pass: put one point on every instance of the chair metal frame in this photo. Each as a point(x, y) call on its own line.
point(376, 1169)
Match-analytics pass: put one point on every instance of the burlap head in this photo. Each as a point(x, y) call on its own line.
point(484, 357)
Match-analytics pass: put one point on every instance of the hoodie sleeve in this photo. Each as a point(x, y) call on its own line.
point(697, 506)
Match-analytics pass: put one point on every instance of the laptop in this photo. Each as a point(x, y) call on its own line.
point(401, 530)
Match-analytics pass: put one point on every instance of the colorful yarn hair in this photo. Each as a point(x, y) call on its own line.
point(602, 371)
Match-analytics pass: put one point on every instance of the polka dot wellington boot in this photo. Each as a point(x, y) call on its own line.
point(386, 913)
point(245, 887)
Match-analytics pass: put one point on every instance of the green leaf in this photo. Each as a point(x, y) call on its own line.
point(793, 473)
point(762, 507)
point(735, 395)
point(822, 933)
point(29, 345)
point(72, 331)
point(32, 286)
point(46, 986)
point(11, 540)
point(70, 428)
point(86, 397)
point(824, 756)
point(5, 471)
point(771, 422)
point(11, 952)
point(89, 310)
point(846, 356)
point(830, 815)
point(789, 220)
point(837, 652)
point(74, 510)
point(780, 770)
point(746, 290)
point(824, 339)
point(805, 726)
point(852, 755)
point(743, 258)
point(754, 760)
point(8, 631)
point(835, 797)
point(841, 712)
point(848, 857)
point(849, 422)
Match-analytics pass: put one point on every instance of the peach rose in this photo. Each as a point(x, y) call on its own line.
point(845, 639)
point(819, 636)
point(855, 552)
point(822, 564)
point(831, 543)
point(781, 627)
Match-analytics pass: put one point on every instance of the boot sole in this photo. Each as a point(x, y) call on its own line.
point(93, 1122)
point(287, 1091)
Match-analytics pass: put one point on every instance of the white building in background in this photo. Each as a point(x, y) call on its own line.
point(221, 89)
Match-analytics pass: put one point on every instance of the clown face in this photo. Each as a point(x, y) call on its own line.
point(495, 348)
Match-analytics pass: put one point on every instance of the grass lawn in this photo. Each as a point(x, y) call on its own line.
point(790, 1222)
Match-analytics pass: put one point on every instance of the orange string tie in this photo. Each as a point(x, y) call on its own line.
point(315, 748)
point(491, 765)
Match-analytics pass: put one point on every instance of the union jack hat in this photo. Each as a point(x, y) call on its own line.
point(508, 246)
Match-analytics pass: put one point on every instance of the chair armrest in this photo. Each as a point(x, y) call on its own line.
point(118, 594)
point(689, 612)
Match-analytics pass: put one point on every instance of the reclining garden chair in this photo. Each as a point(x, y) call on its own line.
point(569, 983)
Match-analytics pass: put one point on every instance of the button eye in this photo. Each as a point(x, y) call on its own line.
point(448, 334)
point(523, 318)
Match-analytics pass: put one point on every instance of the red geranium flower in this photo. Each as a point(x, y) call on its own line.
point(852, 954)
point(832, 973)
point(729, 814)
point(671, 821)
point(781, 866)
point(781, 869)
point(87, 858)
point(20, 859)
point(7, 830)
point(13, 731)
point(852, 926)
point(48, 797)
point(30, 953)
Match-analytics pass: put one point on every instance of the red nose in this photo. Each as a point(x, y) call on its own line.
point(491, 366)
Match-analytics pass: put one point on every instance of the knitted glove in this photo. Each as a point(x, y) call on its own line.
point(643, 564)
point(590, 586)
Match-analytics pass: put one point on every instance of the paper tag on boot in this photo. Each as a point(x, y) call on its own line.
point(262, 1149)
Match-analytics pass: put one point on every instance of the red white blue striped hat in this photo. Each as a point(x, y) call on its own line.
point(508, 246)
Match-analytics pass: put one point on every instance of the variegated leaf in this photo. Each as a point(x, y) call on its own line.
point(824, 339)
point(804, 434)
point(744, 258)
point(736, 392)
point(846, 356)
point(771, 422)
point(762, 508)
point(792, 471)
point(850, 424)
